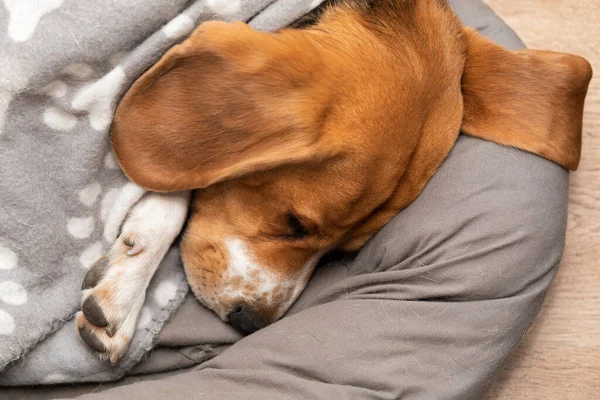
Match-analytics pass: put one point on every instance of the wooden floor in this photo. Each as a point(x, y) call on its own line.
point(560, 356)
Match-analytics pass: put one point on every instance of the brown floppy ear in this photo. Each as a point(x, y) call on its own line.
point(529, 99)
point(227, 101)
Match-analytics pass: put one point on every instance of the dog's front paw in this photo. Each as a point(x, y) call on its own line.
point(114, 289)
point(110, 308)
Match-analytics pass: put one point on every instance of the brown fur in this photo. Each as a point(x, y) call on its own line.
point(342, 123)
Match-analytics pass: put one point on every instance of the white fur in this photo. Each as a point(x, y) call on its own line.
point(178, 27)
point(153, 224)
point(25, 15)
point(58, 119)
point(241, 265)
point(98, 98)
point(243, 271)
point(124, 201)
point(8, 258)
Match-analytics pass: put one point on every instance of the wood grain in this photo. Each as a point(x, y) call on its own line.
point(560, 356)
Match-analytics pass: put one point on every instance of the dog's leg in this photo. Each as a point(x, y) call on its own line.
point(114, 289)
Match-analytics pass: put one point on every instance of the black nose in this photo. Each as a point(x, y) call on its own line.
point(245, 320)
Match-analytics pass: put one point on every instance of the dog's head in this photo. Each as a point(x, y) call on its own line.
point(304, 141)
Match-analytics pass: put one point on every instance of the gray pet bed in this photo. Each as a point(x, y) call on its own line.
point(431, 308)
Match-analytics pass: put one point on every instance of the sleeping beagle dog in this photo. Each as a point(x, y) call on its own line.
point(306, 140)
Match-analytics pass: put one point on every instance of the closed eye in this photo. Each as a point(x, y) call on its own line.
point(296, 230)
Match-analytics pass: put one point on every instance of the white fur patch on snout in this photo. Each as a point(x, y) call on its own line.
point(246, 280)
point(243, 269)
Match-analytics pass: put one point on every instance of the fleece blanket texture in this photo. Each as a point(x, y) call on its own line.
point(63, 67)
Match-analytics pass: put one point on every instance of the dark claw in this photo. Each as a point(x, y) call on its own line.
point(128, 242)
point(92, 341)
point(109, 331)
point(93, 312)
point(95, 274)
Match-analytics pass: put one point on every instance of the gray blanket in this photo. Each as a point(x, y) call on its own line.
point(64, 65)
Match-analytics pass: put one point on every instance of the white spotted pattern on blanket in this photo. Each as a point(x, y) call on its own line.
point(78, 70)
point(97, 99)
point(110, 161)
point(56, 89)
point(10, 292)
point(224, 7)
point(178, 27)
point(165, 292)
point(89, 194)
point(79, 227)
point(91, 254)
point(59, 120)
point(8, 258)
point(26, 14)
point(145, 317)
point(72, 60)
